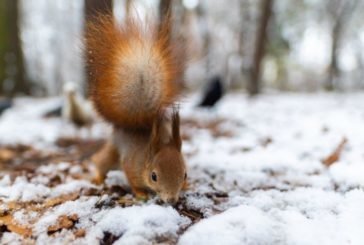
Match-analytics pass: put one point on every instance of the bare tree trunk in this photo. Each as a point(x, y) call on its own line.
point(12, 78)
point(202, 15)
point(334, 71)
point(21, 84)
point(3, 44)
point(261, 38)
point(341, 12)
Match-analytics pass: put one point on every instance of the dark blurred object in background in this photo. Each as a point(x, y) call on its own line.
point(213, 92)
point(5, 104)
point(54, 112)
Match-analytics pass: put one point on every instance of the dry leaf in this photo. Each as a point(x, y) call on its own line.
point(61, 199)
point(63, 222)
point(192, 214)
point(80, 233)
point(335, 155)
point(6, 155)
point(13, 226)
point(126, 202)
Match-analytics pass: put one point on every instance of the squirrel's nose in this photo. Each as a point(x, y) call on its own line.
point(172, 200)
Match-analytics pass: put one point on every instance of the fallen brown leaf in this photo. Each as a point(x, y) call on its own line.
point(63, 222)
point(6, 155)
point(32, 206)
point(335, 155)
point(13, 226)
point(61, 199)
point(80, 233)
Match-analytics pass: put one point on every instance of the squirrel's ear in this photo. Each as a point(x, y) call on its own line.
point(175, 130)
point(155, 137)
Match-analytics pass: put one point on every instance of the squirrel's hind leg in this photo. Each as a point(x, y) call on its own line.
point(105, 159)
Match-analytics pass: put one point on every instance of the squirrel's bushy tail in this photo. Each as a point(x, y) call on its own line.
point(135, 70)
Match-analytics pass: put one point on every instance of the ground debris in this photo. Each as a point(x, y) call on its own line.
point(213, 126)
point(11, 225)
point(63, 222)
point(252, 175)
point(109, 238)
point(80, 233)
point(335, 155)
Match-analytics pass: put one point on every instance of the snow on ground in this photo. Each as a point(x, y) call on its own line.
point(255, 171)
point(25, 124)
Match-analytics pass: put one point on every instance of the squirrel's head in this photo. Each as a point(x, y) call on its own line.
point(166, 174)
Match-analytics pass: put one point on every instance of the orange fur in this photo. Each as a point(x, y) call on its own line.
point(135, 70)
point(136, 73)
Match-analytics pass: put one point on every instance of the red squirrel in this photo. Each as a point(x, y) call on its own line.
point(136, 75)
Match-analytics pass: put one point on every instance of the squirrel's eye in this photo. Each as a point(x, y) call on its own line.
point(185, 176)
point(154, 176)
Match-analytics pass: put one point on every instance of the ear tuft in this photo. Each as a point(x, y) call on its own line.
point(155, 136)
point(176, 137)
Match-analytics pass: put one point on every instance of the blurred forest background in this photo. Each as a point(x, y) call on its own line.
point(303, 45)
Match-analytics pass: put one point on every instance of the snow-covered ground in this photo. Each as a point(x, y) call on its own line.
point(255, 171)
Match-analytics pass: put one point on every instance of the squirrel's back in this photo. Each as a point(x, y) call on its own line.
point(136, 70)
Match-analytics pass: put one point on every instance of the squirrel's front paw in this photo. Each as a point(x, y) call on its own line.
point(141, 195)
point(185, 186)
point(97, 177)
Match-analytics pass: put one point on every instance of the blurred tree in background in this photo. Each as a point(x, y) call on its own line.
point(254, 86)
point(12, 77)
point(339, 13)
